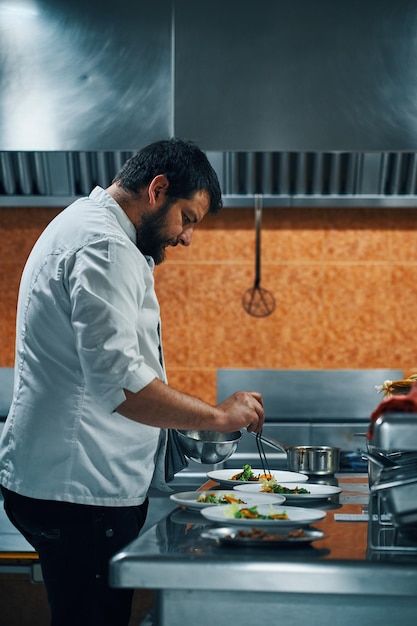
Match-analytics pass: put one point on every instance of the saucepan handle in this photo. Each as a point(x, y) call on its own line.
point(274, 443)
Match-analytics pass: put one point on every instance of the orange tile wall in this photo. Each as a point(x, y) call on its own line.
point(344, 282)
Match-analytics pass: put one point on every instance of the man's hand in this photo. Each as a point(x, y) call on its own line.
point(243, 409)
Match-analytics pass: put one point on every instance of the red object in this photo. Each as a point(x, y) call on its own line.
point(402, 403)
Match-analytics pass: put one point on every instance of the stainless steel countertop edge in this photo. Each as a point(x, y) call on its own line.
point(325, 577)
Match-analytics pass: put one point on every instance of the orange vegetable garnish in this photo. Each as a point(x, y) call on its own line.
point(248, 513)
point(231, 499)
point(265, 476)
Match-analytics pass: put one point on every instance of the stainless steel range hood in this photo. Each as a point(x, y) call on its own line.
point(311, 103)
point(284, 178)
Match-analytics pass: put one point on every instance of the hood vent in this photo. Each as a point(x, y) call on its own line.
point(307, 103)
point(283, 178)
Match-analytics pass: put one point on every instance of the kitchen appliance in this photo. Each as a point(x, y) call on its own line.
point(397, 486)
point(273, 131)
point(308, 408)
point(392, 454)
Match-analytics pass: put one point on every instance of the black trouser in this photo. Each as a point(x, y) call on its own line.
point(75, 543)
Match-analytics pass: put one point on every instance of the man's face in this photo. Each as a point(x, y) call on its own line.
point(171, 224)
point(151, 236)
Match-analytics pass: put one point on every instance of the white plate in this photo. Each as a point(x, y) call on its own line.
point(297, 516)
point(189, 498)
point(224, 477)
point(230, 536)
point(317, 492)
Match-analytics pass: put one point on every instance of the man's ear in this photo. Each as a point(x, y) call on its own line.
point(157, 188)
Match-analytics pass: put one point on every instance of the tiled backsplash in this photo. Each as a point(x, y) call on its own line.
point(343, 280)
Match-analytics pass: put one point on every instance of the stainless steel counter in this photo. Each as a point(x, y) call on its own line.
point(339, 572)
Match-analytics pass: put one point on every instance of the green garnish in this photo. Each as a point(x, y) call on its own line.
point(245, 475)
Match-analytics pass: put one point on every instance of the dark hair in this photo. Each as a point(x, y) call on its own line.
point(185, 166)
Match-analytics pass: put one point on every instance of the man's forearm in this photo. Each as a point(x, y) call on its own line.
point(162, 406)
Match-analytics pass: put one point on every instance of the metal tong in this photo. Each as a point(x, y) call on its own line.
point(261, 452)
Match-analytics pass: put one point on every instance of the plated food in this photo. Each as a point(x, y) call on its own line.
point(201, 499)
point(264, 515)
point(213, 497)
point(232, 477)
point(292, 492)
point(248, 475)
point(257, 537)
point(252, 512)
point(271, 486)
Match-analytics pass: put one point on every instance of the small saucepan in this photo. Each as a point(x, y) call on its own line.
point(311, 460)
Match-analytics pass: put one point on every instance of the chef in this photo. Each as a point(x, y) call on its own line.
point(86, 435)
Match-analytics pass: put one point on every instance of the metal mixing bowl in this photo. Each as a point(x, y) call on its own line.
point(208, 446)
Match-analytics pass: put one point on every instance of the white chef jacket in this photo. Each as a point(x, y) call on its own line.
point(87, 328)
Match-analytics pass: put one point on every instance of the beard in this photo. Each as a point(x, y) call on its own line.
point(151, 238)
